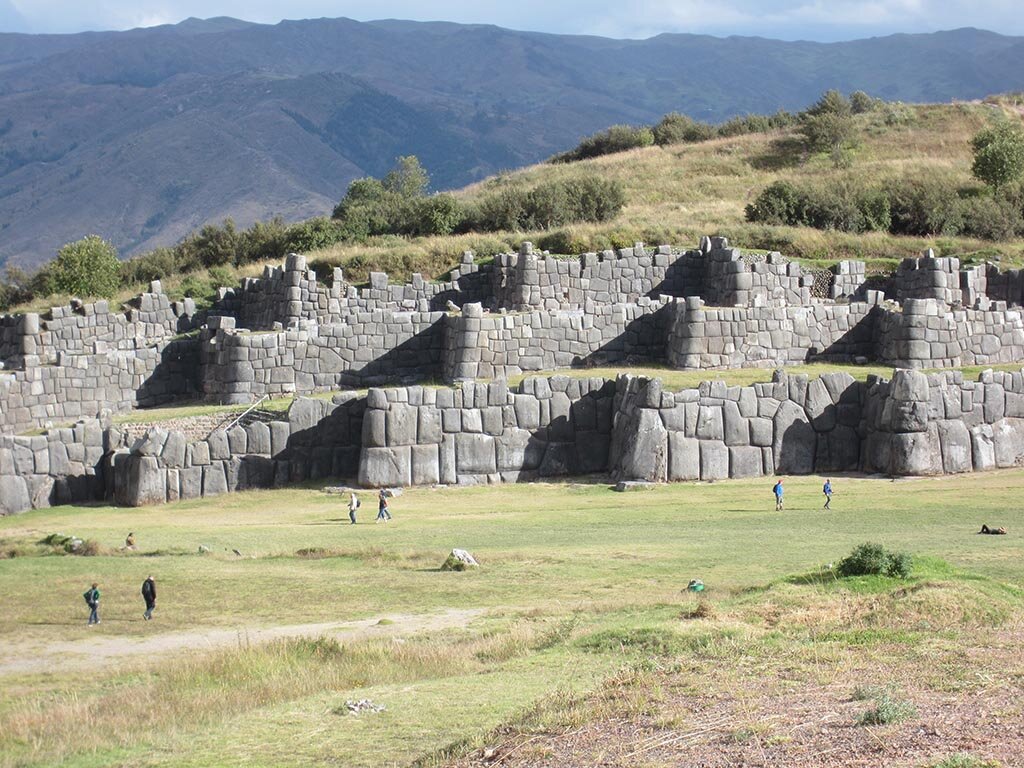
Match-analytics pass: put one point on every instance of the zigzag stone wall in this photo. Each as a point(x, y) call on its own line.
point(289, 333)
point(630, 428)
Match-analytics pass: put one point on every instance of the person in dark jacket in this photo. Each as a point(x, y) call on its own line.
point(149, 595)
point(92, 599)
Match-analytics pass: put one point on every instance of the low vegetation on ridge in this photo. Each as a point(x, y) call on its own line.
point(875, 181)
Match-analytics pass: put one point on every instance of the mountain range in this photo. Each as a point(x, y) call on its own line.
point(144, 135)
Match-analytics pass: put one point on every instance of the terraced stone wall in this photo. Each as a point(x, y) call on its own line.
point(479, 345)
point(741, 337)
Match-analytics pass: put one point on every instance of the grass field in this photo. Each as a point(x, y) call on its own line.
point(578, 616)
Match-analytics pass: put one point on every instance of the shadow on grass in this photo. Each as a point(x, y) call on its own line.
point(782, 153)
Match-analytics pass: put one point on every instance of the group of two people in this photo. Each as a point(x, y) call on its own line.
point(825, 489)
point(92, 599)
point(383, 511)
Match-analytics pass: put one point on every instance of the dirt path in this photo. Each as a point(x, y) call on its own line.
point(102, 651)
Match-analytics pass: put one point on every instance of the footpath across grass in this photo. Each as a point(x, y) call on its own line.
point(576, 582)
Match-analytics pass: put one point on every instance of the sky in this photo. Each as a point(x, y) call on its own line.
point(823, 20)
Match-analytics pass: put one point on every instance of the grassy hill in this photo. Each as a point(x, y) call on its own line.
point(676, 193)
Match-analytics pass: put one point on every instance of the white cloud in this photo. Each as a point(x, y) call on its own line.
point(815, 19)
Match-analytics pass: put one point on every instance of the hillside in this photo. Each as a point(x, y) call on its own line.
point(143, 136)
point(677, 193)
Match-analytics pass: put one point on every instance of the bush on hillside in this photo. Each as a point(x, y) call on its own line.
point(618, 138)
point(861, 103)
point(905, 206)
point(548, 205)
point(828, 126)
point(675, 128)
point(87, 268)
point(999, 154)
point(875, 560)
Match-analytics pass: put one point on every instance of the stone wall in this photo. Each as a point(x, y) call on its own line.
point(734, 279)
point(927, 334)
point(287, 295)
point(740, 337)
point(317, 440)
point(376, 347)
point(929, 278)
point(486, 433)
point(630, 428)
point(485, 346)
point(93, 460)
point(61, 467)
point(530, 280)
point(81, 386)
point(85, 329)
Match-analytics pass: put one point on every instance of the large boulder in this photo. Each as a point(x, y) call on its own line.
point(644, 448)
point(14, 496)
point(795, 441)
point(955, 442)
point(382, 467)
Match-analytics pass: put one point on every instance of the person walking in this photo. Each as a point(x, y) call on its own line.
point(827, 490)
point(92, 599)
point(382, 507)
point(777, 490)
point(149, 595)
point(353, 505)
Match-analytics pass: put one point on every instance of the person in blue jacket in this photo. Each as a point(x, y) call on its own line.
point(777, 490)
point(827, 490)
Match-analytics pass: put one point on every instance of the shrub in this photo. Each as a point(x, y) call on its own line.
point(779, 203)
point(618, 138)
point(313, 234)
point(992, 218)
point(263, 241)
point(86, 267)
point(860, 103)
point(828, 125)
point(874, 560)
point(675, 128)
point(438, 215)
point(964, 760)
point(999, 154)
point(924, 207)
point(887, 710)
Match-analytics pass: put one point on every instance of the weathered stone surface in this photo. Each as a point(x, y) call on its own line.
point(475, 454)
point(173, 454)
point(955, 443)
point(916, 453)
point(745, 461)
point(14, 496)
point(644, 452)
point(983, 450)
point(402, 422)
point(426, 467)
point(1008, 437)
point(214, 480)
point(684, 457)
point(714, 460)
point(147, 481)
point(384, 467)
point(795, 441)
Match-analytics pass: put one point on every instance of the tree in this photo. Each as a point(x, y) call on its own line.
point(87, 267)
point(408, 179)
point(999, 154)
point(860, 103)
point(828, 126)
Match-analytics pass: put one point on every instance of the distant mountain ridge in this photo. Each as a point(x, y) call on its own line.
point(142, 136)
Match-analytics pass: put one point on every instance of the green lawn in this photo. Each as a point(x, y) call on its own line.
point(560, 561)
